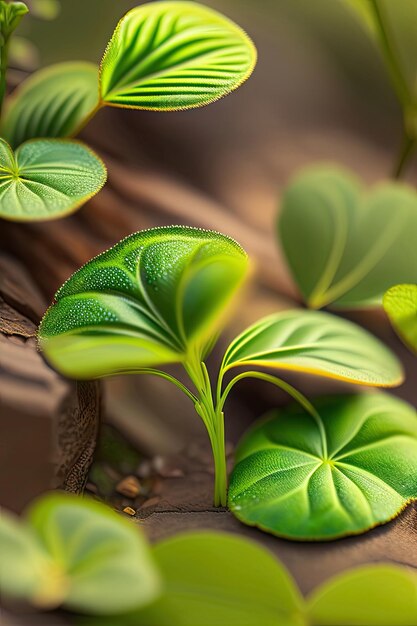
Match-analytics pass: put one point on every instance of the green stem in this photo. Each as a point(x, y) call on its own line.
point(294, 393)
point(4, 56)
point(407, 148)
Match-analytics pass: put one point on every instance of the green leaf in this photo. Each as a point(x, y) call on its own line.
point(316, 343)
point(11, 14)
point(156, 297)
point(54, 102)
point(79, 553)
point(400, 304)
point(213, 578)
point(345, 247)
point(371, 595)
point(174, 55)
point(348, 470)
point(47, 178)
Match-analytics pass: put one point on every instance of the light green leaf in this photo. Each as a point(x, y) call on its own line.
point(393, 26)
point(349, 469)
point(174, 55)
point(400, 304)
point(346, 247)
point(316, 343)
point(11, 14)
point(47, 178)
point(54, 102)
point(79, 553)
point(371, 595)
point(156, 297)
point(218, 579)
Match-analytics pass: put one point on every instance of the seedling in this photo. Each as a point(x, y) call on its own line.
point(163, 56)
point(207, 577)
point(160, 296)
point(346, 246)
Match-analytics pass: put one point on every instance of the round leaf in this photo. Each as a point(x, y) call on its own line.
point(345, 247)
point(174, 55)
point(371, 595)
point(400, 304)
point(102, 562)
point(215, 578)
point(351, 469)
point(47, 179)
point(315, 343)
point(154, 298)
point(54, 102)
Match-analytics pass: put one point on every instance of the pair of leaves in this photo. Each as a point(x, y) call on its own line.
point(400, 304)
point(346, 247)
point(215, 578)
point(393, 26)
point(76, 553)
point(162, 56)
point(47, 178)
point(159, 296)
point(156, 297)
point(350, 466)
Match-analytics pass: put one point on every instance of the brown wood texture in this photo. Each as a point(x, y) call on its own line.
point(48, 425)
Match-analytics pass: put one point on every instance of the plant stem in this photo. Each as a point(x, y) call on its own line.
point(4, 55)
point(407, 148)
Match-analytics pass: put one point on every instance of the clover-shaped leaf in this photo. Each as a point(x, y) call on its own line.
point(346, 247)
point(400, 304)
point(349, 468)
point(370, 595)
point(174, 55)
point(78, 553)
point(316, 343)
point(156, 297)
point(54, 102)
point(47, 179)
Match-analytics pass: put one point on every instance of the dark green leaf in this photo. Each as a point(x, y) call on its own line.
point(55, 102)
point(400, 304)
point(351, 468)
point(47, 178)
point(156, 297)
point(316, 343)
point(343, 246)
point(174, 55)
point(371, 595)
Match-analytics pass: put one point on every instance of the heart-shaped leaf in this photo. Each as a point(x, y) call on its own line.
point(47, 178)
point(156, 297)
point(400, 304)
point(316, 343)
point(371, 595)
point(174, 55)
point(345, 247)
point(55, 102)
point(352, 467)
point(78, 553)
point(217, 578)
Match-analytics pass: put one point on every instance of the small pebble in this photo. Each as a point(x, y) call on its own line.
point(129, 511)
point(129, 487)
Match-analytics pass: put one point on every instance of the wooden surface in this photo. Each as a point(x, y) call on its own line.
point(48, 425)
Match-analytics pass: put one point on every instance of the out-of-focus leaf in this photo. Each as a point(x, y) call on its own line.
point(79, 553)
point(350, 468)
point(344, 247)
point(400, 304)
point(45, 9)
point(54, 102)
point(156, 297)
point(47, 178)
point(316, 343)
point(174, 55)
point(371, 595)
point(23, 54)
